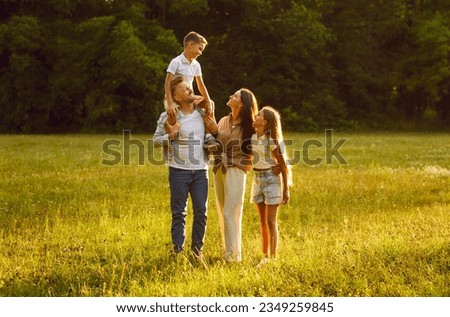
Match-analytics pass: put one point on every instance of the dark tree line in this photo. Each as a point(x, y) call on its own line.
point(99, 65)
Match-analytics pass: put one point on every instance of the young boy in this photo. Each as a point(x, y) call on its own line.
point(187, 66)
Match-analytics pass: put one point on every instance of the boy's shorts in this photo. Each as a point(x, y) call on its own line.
point(266, 188)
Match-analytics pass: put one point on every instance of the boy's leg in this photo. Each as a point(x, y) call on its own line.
point(171, 119)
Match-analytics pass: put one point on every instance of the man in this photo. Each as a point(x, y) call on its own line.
point(188, 169)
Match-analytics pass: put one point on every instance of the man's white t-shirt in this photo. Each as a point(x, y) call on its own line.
point(186, 152)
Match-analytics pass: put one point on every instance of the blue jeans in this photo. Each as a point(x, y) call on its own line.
point(182, 183)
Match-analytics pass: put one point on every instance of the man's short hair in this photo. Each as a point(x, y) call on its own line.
point(174, 83)
point(195, 38)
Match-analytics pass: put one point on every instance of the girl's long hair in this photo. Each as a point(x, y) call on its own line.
point(274, 131)
point(249, 111)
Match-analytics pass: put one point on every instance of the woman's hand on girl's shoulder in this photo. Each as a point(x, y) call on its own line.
point(276, 169)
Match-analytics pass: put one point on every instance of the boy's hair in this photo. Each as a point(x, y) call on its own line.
point(195, 38)
point(174, 83)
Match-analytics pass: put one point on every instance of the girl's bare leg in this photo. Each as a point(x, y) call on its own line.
point(264, 228)
point(271, 212)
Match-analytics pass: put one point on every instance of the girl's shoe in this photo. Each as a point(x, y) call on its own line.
point(263, 262)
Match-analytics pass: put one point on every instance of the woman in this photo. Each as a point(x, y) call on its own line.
point(231, 168)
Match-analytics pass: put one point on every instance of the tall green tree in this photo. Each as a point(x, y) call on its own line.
point(423, 72)
point(98, 73)
point(276, 48)
point(100, 64)
point(367, 36)
point(23, 75)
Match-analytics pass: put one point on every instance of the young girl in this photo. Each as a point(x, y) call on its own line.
point(269, 189)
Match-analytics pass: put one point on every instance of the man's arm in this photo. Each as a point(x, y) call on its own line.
point(161, 137)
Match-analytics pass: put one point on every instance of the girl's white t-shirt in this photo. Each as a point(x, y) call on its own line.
point(262, 152)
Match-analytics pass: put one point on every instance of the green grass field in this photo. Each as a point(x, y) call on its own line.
point(377, 226)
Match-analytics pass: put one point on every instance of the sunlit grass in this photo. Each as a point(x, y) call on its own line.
point(377, 226)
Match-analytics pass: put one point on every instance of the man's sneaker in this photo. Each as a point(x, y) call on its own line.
point(177, 249)
point(199, 258)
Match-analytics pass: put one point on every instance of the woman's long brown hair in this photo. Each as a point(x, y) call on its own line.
point(249, 111)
